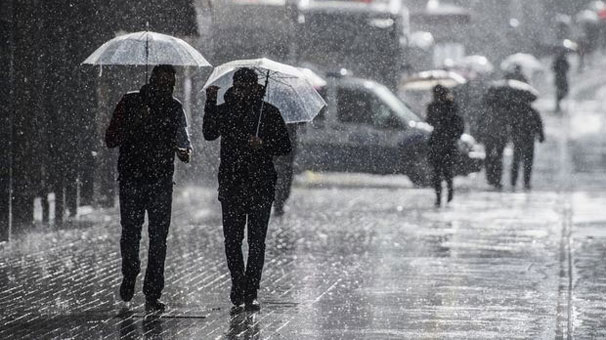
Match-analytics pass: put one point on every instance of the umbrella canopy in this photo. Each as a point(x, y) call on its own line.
point(510, 91)
point(288, 88)
point(475, 63)
point(427, 80)
point(527, 62)
point(587, 17)
point(147, 48)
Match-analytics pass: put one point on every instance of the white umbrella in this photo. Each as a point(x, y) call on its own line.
point(475, 63)
point(527, 62)
point(587, 16)
point(287, 87)
point(427, 80)
point(147, 48)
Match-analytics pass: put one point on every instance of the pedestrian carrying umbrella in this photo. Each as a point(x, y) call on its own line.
point(146, 48)
point(509, 91)
point(427, 80)
point(286, 87)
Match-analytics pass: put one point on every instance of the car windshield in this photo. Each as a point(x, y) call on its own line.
point(395, 104)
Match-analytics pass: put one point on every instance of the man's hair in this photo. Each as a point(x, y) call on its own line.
point(440, 90)
point(161, 69)
point(246, 75)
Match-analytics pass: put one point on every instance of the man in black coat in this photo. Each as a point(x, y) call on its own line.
point(448, 126)
point(526, 126)
point(247, 176)
point(560, 68)
point(149, 126)
point(493, 132)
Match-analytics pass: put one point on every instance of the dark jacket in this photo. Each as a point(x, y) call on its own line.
point(246, 176)
point(526, 125)
point(448, 127)
point(493, 125)
point(147, 128)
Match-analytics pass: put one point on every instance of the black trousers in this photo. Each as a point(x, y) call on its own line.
point(494, 162)
point(235, 219)
point(522, 153)
point(442, 164)
point(135, 198)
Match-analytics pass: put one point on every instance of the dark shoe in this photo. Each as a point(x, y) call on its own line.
point(450, 195)
point(527, 187)
point(438, 202)
point(154, 306)
point(252, 306)
point(236, 295)
point(127, 289)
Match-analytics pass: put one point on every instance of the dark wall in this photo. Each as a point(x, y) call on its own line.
point(6, 109)
point(54, 99)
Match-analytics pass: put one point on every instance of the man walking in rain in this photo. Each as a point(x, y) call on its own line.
point(448, 126)
point(247, 176)
point(526, 126)
point(149, 126)
point(493, 132)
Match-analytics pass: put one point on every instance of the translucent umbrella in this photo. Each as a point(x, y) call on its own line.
point(146, 48)
point(287, 87)
point(427, 80)
point(510, 91)
point(587, 17)
point(528, 62)
point(475, 63)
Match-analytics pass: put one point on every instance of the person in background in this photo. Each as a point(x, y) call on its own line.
point(526, 126)
point(560, 68)
point(448, 126)
point(493, 132)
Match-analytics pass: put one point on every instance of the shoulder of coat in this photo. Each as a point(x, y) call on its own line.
point(272, 110)
point(131, 97)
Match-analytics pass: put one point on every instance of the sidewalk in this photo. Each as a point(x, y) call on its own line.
point(349, 263)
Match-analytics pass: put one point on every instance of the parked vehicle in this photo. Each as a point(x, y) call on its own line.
point(366, 128)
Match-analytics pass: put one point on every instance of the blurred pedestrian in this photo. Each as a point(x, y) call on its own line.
point(494, 134)
point(526, 126)
point(285, 170)
point(149, 127)
point(247, 176)
point(560, 68)
point(448, 126)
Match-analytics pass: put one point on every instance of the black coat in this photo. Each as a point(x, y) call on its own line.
point(246, 176)
point(146, 126)
point(526, 125)
point(448, 127)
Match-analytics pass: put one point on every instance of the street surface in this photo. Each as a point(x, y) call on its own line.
point(354, 257)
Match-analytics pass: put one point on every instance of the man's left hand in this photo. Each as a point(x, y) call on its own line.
point(255, 142)
point(184, 154)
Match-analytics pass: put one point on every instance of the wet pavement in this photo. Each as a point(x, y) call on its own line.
point(355, 257)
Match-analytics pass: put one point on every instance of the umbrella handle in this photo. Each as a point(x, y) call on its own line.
point(146, 52)
point(262, 102)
